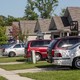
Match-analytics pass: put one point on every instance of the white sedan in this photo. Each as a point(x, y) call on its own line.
point(14, 50)
point(68, 57)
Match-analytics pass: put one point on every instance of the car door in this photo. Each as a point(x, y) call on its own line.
point(17, 49)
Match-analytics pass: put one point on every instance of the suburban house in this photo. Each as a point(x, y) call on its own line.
point(57, 26)
point(27, 28)
point(42, 28)
point(67, 25)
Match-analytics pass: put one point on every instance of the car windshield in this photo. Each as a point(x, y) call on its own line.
point(44, 43)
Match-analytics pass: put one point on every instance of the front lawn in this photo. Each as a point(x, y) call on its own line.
point(26, 65)
point(11, 59)
point(2, 78)
point(54, 75)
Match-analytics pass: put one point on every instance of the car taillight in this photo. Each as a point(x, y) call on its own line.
point(58, 55)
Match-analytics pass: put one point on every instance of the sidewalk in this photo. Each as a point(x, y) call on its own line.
point(11, 63)
point(11, 75)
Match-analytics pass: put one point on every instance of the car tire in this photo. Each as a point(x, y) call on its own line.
point(76, 63)
point(11, 54)
point(38, 57)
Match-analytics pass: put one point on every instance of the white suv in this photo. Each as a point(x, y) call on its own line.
point(14, 50)
point(68, 57)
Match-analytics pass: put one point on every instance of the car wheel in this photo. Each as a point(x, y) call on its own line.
point(38, 57)
point(76, 63)
point(11, 54)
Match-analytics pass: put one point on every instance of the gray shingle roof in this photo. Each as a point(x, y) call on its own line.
point(42, 25)
point(58, 24)
point(27, 26)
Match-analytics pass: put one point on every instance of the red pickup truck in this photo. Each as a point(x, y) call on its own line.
point(39, 46)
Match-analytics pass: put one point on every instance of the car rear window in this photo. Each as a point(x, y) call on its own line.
point(40, 43)
point(53, 43)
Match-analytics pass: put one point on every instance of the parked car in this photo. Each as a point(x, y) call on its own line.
point(14, 50)
point(39, 46)
point(60, 43)
point(68, 57)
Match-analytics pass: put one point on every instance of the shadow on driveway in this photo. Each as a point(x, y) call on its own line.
point(54, 67)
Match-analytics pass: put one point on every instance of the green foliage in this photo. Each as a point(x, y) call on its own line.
point(21, 37)
point(46, 7)
point(29, 11)
point(62, 13)
point(7, 21)
point(25, 65)
point(3, 37)
point(54, 75)
point(2, 20)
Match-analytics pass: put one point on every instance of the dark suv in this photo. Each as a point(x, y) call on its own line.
point(61, 43)
point(40, 47)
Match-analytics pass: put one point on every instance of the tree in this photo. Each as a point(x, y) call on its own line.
point(29, 11)
point(46, 7)
point(2, 20)
point(3, 37)
point(15, 32)
point(10, 19)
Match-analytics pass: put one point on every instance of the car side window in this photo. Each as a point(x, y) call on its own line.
point(66, 43)
point(17, 46)
point(63, 43)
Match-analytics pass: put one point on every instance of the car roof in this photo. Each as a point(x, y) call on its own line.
point(41, 40)
point(68, 37)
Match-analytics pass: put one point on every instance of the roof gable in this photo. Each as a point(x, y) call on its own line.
point(44, 24)
point(52, 25)
point(28, 26)
point(37, 27)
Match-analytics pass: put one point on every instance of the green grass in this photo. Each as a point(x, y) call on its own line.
point(54, 75)
point(2, 78)
point(11, 59)
point(26, 65)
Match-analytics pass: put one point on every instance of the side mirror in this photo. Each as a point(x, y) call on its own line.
point(79, 47)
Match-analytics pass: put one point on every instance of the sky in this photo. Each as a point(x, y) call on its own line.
point(16, 8)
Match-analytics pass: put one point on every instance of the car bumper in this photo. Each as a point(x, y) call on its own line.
point(62, 61)
point(5, 54)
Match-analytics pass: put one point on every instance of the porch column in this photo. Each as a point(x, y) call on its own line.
point(63, 34)
point(79, 33)
point(67, 33)
point(60, 34)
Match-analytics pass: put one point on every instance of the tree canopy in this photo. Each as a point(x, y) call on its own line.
point(3, 37)
point(29, 11)
point(44, 8)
